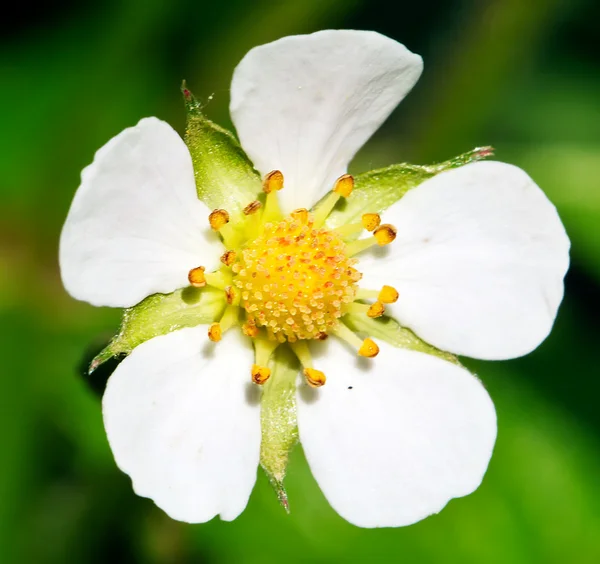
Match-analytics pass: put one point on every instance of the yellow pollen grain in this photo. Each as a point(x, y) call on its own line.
point(344, 185)
point(273, 182)
point(385, 234)
point(371, 221)
point(376, 310)
point(196, 277)
point(388, 295)
point(228, 257)
point(295, 279)
point(260, 374)
point(368, 349)
point(315, 378)
point(215, 333)
point(218, 218)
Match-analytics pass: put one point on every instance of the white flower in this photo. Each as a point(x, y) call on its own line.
point(478, 262)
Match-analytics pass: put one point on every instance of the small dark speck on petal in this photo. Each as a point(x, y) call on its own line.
point(349, 387)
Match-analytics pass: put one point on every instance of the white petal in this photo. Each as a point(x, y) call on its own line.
point(136, 226)
point(306, 104)
point(479, 261)
point(183, 423)
point(393, 439)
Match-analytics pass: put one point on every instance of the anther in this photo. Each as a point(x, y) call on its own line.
point(368, 349)
point(371, 221)
point(250, 329)
point(228, 258)
point(314, 378)
point(260, 374)
point(344, 185)
point(342, 188)
point(273, 182)
point(376, 310)
point(215, 333)
point(218, 218)
point(232, 295)
point(252, 207)
point(385, 234)
point(301, 215)
point(388, 295)
point(196, 277)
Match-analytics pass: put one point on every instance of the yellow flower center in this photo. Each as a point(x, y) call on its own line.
point(294, 279)
point(290, 279)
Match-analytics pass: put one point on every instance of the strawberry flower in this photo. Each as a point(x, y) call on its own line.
point(273, 297)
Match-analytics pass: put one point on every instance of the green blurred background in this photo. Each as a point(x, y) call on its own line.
point(521, 75)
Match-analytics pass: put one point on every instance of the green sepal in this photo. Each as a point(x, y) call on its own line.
point(225, 177)
point(160, 314)
point(279, 423)
point(377, 190)
point(390, 331)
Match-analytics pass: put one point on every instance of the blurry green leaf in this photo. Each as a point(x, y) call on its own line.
point(377, 190)
point(225, 177)
point(160, 314)
point(278, 419)
point(389, 330)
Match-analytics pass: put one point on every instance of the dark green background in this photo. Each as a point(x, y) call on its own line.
point(521, 75)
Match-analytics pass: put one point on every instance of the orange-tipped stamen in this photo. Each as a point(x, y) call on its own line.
point(272, 183)
point(217, 219)
point(371, 221)
point(314, 378)
point(229, 319)
point(388, 295)
point(260, 374)
point(366, 347)
point(228, 258)
point(376, 310)
point(385, 234)
point(219, 279)
point(342, 189)
point(196, 277)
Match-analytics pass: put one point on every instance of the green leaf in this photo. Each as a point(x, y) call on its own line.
point(225, 177)
point(377, 190)
point(389, 330)
point(278, 419)
point(160, 314)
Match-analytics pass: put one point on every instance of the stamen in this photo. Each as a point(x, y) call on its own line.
point(228, 258)
point(253, 219)
point(250, 329)
point(260, 374)
point(196, 277)
point(229, 319)
point(218, 218)
point(388, 295)
point(219, 221)
point(232, 296)
point(272, 183)
point(263, 349)
point(367, 347)
point(301, 215)
point(342, 188)
point(376, 310)
point(349, 229)
point(385, 234)
point(252, 207)
point(371, 221)
point(314, 378)
point(382, 236)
